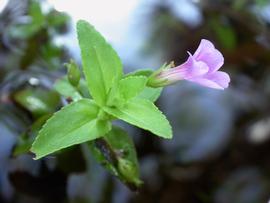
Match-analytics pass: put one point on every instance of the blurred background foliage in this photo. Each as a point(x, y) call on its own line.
point(220, 150)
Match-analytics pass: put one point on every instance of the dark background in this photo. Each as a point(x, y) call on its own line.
point(221, 146)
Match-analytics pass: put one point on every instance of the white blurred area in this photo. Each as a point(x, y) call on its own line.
point(187, 11)
point(3, 4)
point(123, 23)
point(111, 18)
point(114, 19)
point(259, 132)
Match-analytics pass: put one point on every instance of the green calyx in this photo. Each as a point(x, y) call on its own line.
point(155, 80)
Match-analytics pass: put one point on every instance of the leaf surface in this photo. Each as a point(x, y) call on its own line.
point(131, 86)
point(143, 114)
point(73, 124)
point(101, 64)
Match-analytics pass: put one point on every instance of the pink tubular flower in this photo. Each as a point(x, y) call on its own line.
point(201, 67)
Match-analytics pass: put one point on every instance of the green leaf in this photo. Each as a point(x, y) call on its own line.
point(83, 89)
point(144, 114)
point(101, 65)
point(131, 86)
point(73, 124)
point(116, 152)
point(150, 93)
point(63, 87)
point(141, 72)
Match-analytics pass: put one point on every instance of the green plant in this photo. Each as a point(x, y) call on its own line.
point(113, 96)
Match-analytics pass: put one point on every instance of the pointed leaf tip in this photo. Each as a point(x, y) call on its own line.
point(102, 66)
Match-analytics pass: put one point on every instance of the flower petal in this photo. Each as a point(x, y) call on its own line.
point(204, 45)
point(207, 53)
point(190, 69)
point(217, 80)
point(220, 77)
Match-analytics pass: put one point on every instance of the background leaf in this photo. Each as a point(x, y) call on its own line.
point(26, 139)
point(101, 65)
point(73, 124)
point(143, 114)
point(37, 22)
point(38, 101)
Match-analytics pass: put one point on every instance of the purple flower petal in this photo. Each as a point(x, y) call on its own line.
point(220, 77)
point(207, 53)
point(204, 45)
point(194, 68)
point(207, 83)
point(217, 80)
point(201, 68)
point(191, 68)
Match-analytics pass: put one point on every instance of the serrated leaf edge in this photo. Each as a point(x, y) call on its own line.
point(160, 112)
point(51, 118)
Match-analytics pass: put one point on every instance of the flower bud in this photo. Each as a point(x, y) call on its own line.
point(74, 74)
